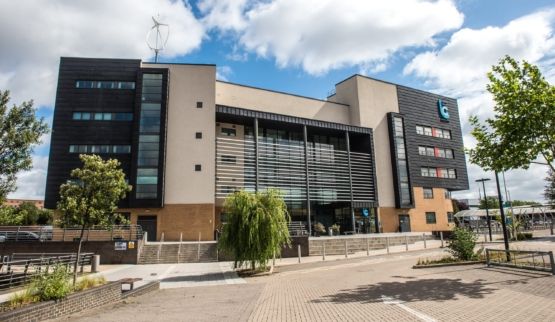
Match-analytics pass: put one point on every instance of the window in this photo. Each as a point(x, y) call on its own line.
point(443, 173)
point(422, 150)
point(430, 151)
point(428, 131)
point(428, 193)
point(98, 116)
point(100, 149)
point(419, 130)
point(228, 159)
point(452, 173)
point(77, 115)
point(449, 153)
point(228, 132)
point(199, 104)
point(86, 116)
point(447, 134)
point(430, 217)
point(104, 84)
point(450, 217)
point(447, 194)
point(198, 167)
point(198, 135)
point(441, 153)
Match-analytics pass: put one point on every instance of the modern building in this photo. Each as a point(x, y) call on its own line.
point(373, 157)
point(16, 202)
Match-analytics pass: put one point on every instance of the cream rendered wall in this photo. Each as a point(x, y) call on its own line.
point(370, 101)
point(273, 102)
point(189, 84)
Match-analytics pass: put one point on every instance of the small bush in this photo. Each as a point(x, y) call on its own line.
point(89, 282)
point(462, 244)
point(52, 286)
point(319, 228)
point(523, 236)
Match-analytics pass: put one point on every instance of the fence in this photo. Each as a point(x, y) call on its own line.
point(533, 260)
point(49, 233)
point(19, 269)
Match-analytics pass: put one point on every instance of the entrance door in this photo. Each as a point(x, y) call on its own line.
point(148, 224)
point(404, 223)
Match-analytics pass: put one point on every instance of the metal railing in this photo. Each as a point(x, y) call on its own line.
point(297, 228)
point(50, 233)
point(20, 268)
point(524, 259)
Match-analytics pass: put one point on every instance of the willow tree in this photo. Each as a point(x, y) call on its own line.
point(92, 196)
point(256, 227)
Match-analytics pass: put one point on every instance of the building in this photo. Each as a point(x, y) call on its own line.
point(16, 202)
point(373, 157)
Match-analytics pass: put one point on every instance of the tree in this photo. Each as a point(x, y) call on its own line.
point(517, 203)
point(92, 196)
point(459, 205)
point(31, 215)
point(549, 192)
point(256, 229)
point(523, 127)
point(493, 203)
point(19, 131)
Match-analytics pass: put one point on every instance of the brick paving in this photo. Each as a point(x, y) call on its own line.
point(383, 288)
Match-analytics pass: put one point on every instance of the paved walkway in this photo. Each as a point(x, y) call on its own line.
point(379, 288)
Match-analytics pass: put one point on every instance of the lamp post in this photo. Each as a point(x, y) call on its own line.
point(483, 180)
point(503, 224)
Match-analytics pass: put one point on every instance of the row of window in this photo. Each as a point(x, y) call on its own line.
point(104, 84)
point(432, 131)
point(86, 116)
point(99, 149)
point(435, 152)
point(431, 217)
point(429, 193)
point(438, 173)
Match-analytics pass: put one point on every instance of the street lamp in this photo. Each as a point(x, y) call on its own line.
point(486, 202)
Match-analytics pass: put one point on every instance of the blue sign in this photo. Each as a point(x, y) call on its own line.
point(365, 212)
point(443, 110)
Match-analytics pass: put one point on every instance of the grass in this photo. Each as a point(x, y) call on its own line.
point(89, 282)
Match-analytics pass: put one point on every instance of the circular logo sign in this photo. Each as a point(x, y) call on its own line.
point(443, 110)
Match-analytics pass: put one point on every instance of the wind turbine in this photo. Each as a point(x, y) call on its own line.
point(157, 37)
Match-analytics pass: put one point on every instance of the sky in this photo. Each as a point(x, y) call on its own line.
point(301, 47)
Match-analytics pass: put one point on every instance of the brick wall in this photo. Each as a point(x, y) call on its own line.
point(76, 302)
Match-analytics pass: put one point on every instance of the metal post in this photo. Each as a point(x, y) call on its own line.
point(551, 224)
point(441, 237)
point(95, 263)
point(308, 210)
point(198, 248)
point(406, 243)
point(299, 252)
point(503, 223)
point(346, 248)
point(179, 248)
point(367, 247)
point(130, 233)
point(256, 154)
point(324, 250)
point(387, 244)
point(552, 262)
point(424, 239)
point(347, 143)
point(487, 257)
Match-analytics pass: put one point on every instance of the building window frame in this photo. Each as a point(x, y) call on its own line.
point(431, 218)
point(428, 193)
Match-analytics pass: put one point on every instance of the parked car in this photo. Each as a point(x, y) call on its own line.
point(18, 236)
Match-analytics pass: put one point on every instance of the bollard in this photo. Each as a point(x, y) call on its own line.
point(387, 244)
point(424, 239)
point(299, 252)
point(406, 243)
point(346, 248)
point(367, 247)
point(274, 259)
point(486, 237)
point(95, 263)
point(323, 250)
point(551, 226)
point(198, 248)
point(441, 236)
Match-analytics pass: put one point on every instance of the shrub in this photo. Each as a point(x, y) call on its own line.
point(52, 286)
point(335, 228)
point(462, 244)
point(89, 282)
point(319, 228)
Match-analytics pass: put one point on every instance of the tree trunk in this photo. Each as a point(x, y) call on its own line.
point(78, 255)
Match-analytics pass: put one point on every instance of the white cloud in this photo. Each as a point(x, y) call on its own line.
point(224, 15)
point(319, 35)
point(223, 73)
point(31, 184)
point(459, 69)
point(34, 34)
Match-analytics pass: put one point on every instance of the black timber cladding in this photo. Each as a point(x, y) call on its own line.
point(421, 108)
point(69, 99)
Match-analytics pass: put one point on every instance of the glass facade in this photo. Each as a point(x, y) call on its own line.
point(146, 186)
point(283, 164)
point(400, 152)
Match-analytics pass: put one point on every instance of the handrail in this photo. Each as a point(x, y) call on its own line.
point(524, 259)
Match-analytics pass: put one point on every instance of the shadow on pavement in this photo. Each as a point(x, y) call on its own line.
point(195, 278)
point(410, 291)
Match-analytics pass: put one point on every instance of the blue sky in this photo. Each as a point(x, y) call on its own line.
point(301, 47)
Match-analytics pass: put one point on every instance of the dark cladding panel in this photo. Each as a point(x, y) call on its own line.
point(421, 108)
point(69, 99)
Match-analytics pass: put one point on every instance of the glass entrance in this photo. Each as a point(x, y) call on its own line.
point(148, 224)
point(404, 223)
